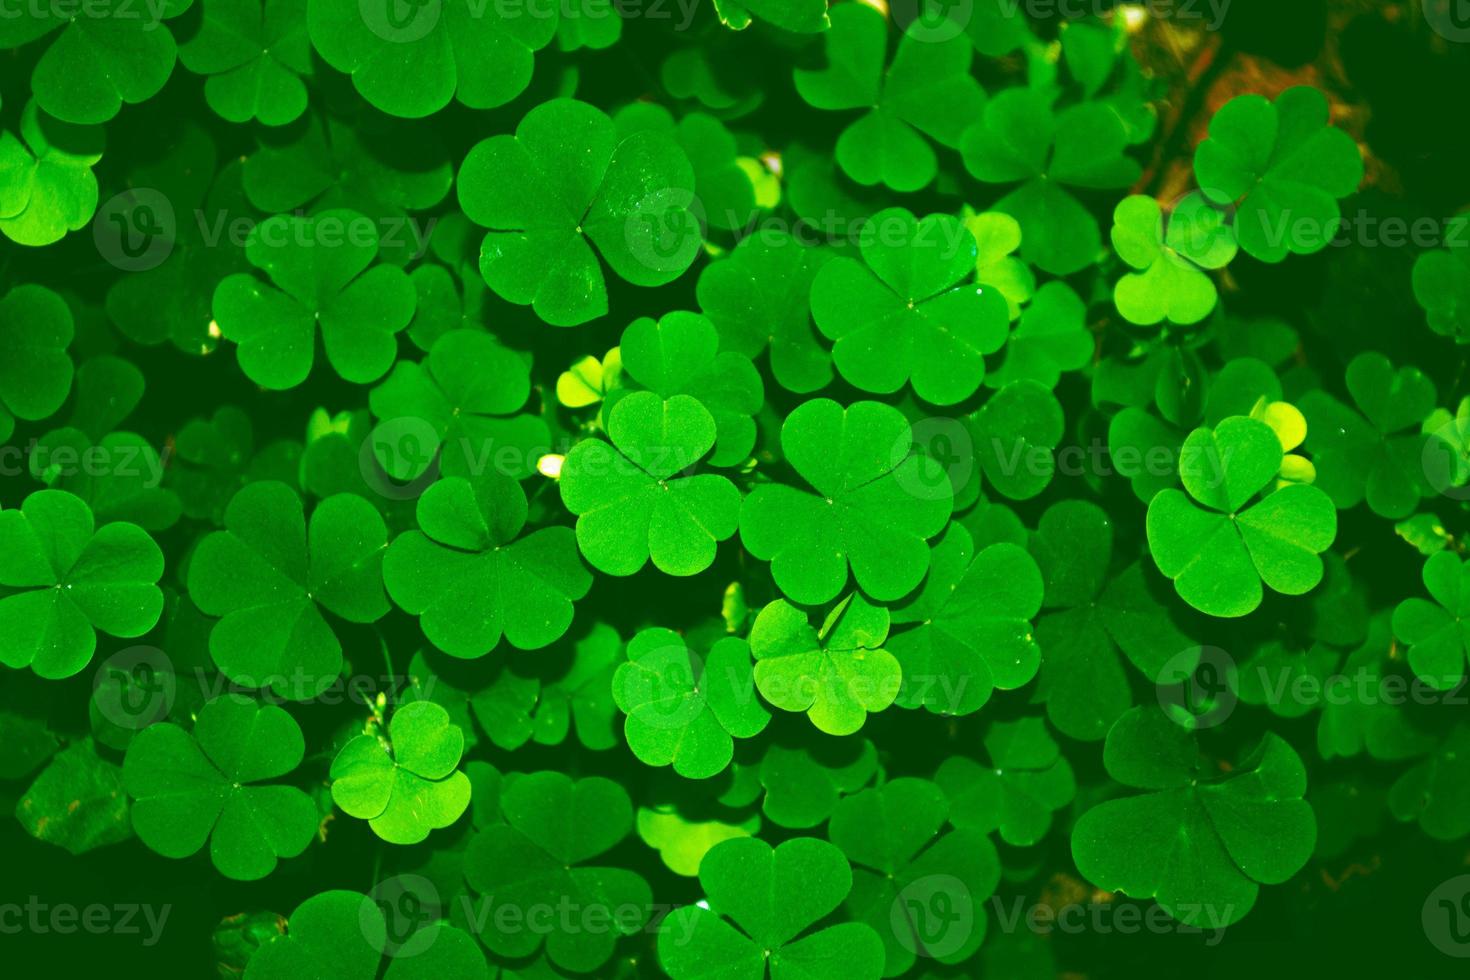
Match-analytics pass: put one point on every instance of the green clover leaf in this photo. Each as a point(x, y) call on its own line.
point(46, 183)
point(35, 369)
point(187, 788)
point(1169, 284)
point(454, 49)
point(1284, 165)
point(409, 785)
point(837, 674)
point(630, 503)
point(686, 710)
point(344, 935)
point(901, 315)
point(679, 354)
point(458, 406)
point(1093, 616)
point(564, 183)
point(581, 698)
point(270, 575)
point(114, 53)
point(256, 53)
point(323, 275)
point(1200, 845)
point(536, 858)
point(1021, 138)
point(724, 190)
point(970, 626)
point(471, 577)
point(927, 88)
point(62, 579)
point(77, 802)
point(802, 785)
point(683, 843)
point(1378, 455)
point(1013, 435)
point(381, 167)
point(997, 237)
point(1372, 723)
point(892, 835)
point(757, 299)
point(1219, 553)
point(1441, 281)
point(1027, 781)
point(1051, 338)
point(125, 487)
point(1434, 791)
point(773, 897)
point(501, 698)
point(1438, 640)
point(874, 505)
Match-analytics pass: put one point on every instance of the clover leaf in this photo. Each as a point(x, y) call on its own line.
point(679, 355)
point(1051, 338)
point(581, 697)
point(564, 183)
point(1027, 781)
point(409, 784)
point(189, 787)
point(1283, 167)
point(1199, 844)
point(1377, 455)
point(903, 864)
point(725, 191)
point(1219, 553)
point(458, 406)
point(471, 577)
point(35, 369)
point(757, 299)
point(77, 802)
point(1441, 282)
point(1170, 283)
point(1013, 435)
point(536, 858)
point(773, 897)
point(902, 315)
point(270, 574)
point(1438, 640)
point(322, 271)
point(1433, 791)
point(256, 53)
point(927, 88)
point(113, 54)
point(803, 785)
point(875, 505)
point(1021, 138)
point(48, 187)
point(344, 935)
point(118, 477)
point(997, 236)
point(501, 699)
point(970, 629)
point(684, 709)
point(62, 579)
point(1093, 616)
point(837, 674)
point(481, 55)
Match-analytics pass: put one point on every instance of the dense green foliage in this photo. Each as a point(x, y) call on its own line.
point(539, 489)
